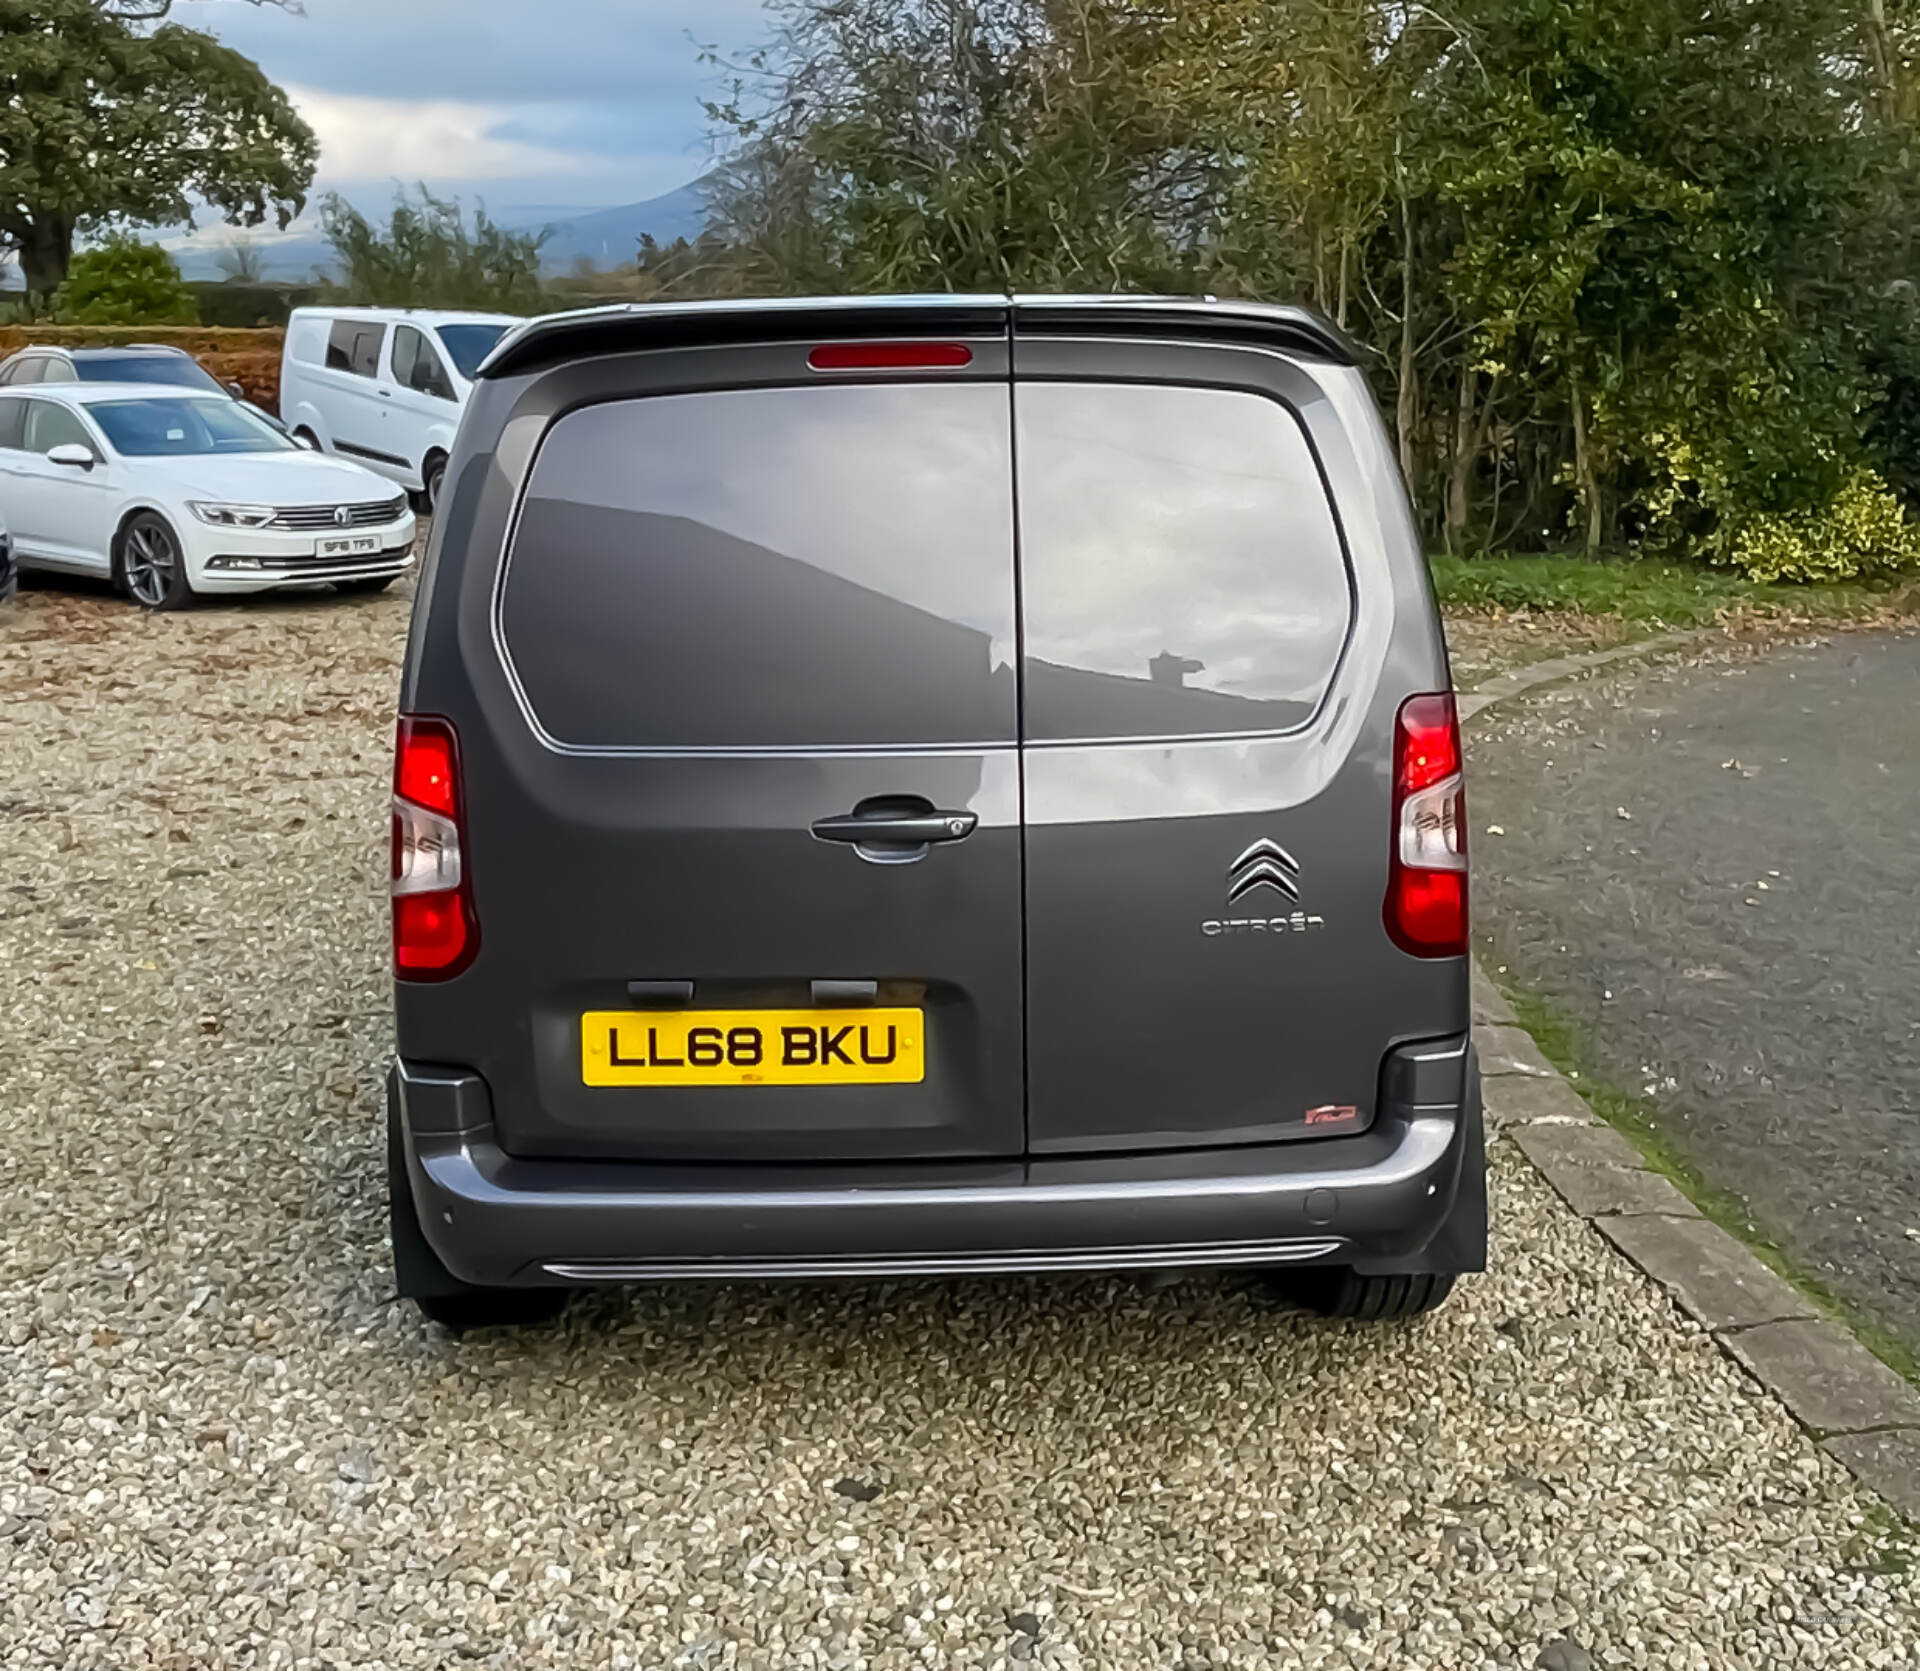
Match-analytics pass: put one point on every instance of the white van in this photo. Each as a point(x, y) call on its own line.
point(385, 387)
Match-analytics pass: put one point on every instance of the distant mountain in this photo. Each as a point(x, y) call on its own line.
point(606, 237)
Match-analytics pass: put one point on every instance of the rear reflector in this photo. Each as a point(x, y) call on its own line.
point(1426, 910)
point(435, 932)
point(430, 936)
point(890, 356)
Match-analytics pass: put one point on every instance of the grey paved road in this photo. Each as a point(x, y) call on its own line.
point(1714, 871)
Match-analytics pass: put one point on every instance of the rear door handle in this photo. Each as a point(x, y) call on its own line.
point(919, 828)
point(895, 830)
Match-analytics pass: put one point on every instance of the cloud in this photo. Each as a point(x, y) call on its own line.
point(479, 150)
point(561, 102)
point(373, 138)
point(642, 53)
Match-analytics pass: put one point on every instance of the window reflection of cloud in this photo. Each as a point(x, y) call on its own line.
point(1180, 521)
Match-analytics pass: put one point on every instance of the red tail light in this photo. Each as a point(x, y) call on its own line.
point(1427, 889)
point(890, 356)
point(435, 932)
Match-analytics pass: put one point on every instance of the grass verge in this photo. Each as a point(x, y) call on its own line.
point(1654, 594)
point(1633, 1118)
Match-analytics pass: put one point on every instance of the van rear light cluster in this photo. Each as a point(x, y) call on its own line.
point(435, 932)
point(1427, 891)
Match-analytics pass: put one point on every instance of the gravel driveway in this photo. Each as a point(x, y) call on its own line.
point(223, 1445)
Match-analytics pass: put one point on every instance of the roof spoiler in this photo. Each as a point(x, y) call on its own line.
point(630, 327)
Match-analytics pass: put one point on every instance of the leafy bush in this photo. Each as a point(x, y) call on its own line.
point(1863, 532)
point(233, 303)
point(124, 282)
point(428, 256)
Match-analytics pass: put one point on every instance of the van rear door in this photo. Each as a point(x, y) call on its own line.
point(746, 861)
point(1207, 805)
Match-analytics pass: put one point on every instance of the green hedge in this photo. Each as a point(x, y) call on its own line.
point(240, 305)
point(195, 339)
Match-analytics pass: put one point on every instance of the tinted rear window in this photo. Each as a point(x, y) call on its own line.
point(770, 568)
point(1181, 570)
point(354, 345)
point(176, 370)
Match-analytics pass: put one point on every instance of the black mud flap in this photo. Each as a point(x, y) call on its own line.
point(1460, 1245)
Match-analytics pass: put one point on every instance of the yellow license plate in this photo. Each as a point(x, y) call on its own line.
point(753, 1047)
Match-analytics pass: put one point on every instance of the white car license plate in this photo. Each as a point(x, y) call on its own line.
point(349, 545)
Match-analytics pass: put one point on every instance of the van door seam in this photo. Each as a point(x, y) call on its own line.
point(1020, 725)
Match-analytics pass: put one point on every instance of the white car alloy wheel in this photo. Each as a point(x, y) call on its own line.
point(152, 565)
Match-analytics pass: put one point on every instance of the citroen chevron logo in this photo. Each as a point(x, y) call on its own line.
point(1266, 864)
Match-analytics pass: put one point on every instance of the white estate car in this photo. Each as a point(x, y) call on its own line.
point(385, 386)
point(173, 492)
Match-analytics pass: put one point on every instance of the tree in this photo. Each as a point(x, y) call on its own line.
point(1632, 273)
point(1675, 223)
point(241, 260)
point(124, 282)
point(101, 123)
point(952, 144)
point(154, 11)
point(427, 256)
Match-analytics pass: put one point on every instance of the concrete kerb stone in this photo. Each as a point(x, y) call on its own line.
point(1826, 1377)
point(1889, 1461)
point(1511, 1050)
point(1717, 1281)
point(1598, 1173)
point(1861, 1413)
point(1490, 1004)
point(1504, 685)
point(1521, 1100)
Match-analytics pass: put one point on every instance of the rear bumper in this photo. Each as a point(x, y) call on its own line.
point(1376, 1199)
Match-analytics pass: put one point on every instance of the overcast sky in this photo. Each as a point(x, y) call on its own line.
point(526, 102)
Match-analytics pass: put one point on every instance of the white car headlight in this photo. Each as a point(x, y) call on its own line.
point(232, 516)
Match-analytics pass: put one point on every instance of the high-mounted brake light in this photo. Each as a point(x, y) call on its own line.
point(890, 356)
point(1427, 886)
point(435, 931)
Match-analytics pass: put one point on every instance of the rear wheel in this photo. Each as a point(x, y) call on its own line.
point(419, 1275)
point(1340, 1291)
point(151, 565)
point(430, 481)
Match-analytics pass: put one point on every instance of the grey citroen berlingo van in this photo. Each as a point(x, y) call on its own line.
point(924, 785)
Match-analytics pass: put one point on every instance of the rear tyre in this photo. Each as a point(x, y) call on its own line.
point(419, 1275)
point(1459, 1247)
point(430, 482)
point(493, 1308)
point(1339, 1291)
point(150, 566)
